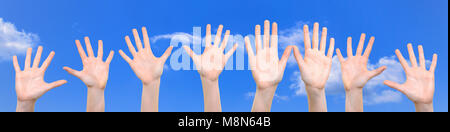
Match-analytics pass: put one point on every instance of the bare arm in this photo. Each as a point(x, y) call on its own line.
point(355, 73)
point(210, 64)
point(94, 74)
point(267, 68)
point(315, 67)
point(147, 67)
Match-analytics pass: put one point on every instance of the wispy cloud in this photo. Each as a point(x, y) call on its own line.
point(181, 36)
point(276, 97)
point(292, 35)
point(13, 41)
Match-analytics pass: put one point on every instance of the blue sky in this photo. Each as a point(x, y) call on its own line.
point(58, 23)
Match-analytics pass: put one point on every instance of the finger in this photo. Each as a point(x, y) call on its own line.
point(421, 57)
point(89, 47)
point(249, 48)
point(433, 63)
point(360, 44)
point(307, 39)
point(167, 53)
point(258, 38)
point(137, 40)
point(315, 40)
point(394, 85)
point(349, 47)
point(218, 36)
point(331, 49)
point(130, 46)
point(369, 47)
point(72, 71)
point(284, 58)
point(47, 61)
point(190, 52)
point(323, 40)
point(274, 38)
point(401, 59)
point(37, 58)
point(298, 56)
point(100, 50)
point(377, 72)
point(28, 59)
point(225, 40)
point(230, 52)
point(208, 36)
point(339, 54)
point(110, 57)
point(55, 84)
point(16, 64)
point(412, 56)
point(146, 41)
point(80, 49)
point(266, 37)
point(125, 56)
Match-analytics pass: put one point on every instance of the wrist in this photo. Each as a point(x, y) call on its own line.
point(314, 92)
point(151, 83)
point(424, 107)
point(25, 105)
point(353, 90)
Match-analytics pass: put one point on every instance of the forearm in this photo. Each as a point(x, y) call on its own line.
point(424, 107)
point(263, 99)
point(95, 100)
point(150, 96)
point(316, 99)
point(211, 95)
point(25, 106)
point(354, 100)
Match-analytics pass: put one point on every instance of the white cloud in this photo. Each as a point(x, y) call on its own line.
point(14, 42)
point(292, 36)
point(276, 97)
point(184, 37)
point(375, 91)
point(386, 96)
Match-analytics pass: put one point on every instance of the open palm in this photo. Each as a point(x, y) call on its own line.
point(145, 65)
point(211, 63)
point(354, 70)
point(315, 66)
point(30, 84)
point(267, 68)
point(95, 70)
point(419, 85)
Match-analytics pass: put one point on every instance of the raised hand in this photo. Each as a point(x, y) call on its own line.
point(419, 85)
point(147, 67)
point(94, 74)
point(355, 73)
point(210, 64)
point(267, 69)
point(30, 84)
point(315, 67)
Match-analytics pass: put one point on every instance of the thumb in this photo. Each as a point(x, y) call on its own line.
point(394, 85)
point(55, 84)
point(72, 71)
point(167, 53)
point(377, 71)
